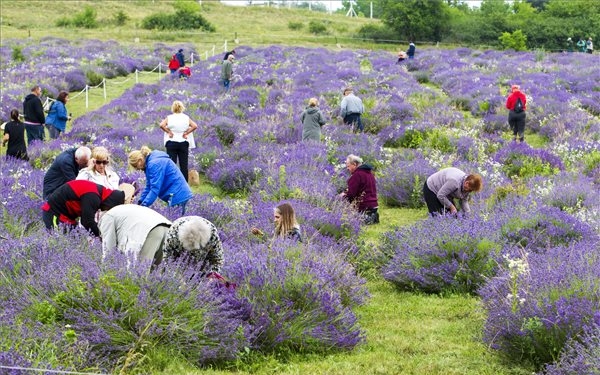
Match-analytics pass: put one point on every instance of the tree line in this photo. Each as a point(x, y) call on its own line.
point(518, 24)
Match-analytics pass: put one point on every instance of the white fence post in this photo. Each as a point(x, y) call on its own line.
point(137, 80)
point(206, 55)
point(225, 46)
point(87, 99)
point(159, 70)
point(104, 88)
point(192, 59)
point(213, 50)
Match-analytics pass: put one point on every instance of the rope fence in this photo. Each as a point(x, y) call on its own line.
point(161, 69)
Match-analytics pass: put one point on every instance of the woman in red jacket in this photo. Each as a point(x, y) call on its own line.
point(517, 104)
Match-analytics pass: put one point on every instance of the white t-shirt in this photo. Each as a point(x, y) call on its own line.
point(179, 123)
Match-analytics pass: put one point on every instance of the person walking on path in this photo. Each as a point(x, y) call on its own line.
point(163, 179)
point(136, 230)
point(14, 135)
point(516, 103)
point(351, 110)
point(312, 121)
point(33, 111)
point(227, 71)
point(179, 136)
point(57, 118)
point(589, 46)
point(442, 187)
point(362, 189)
point(65, 168)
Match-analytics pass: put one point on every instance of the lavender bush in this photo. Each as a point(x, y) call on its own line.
point(541, 300)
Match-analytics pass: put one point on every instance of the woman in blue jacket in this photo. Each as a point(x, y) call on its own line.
point(163, 179)
point(57, 118)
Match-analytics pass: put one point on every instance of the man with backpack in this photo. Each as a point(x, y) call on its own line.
point(516, 103)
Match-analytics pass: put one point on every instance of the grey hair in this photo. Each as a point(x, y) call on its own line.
point(83, 151)
point(354, 159)
point(194, 233)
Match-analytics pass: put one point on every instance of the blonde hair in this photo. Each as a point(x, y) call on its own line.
point(288, 219)
point(313, 102)
point(100, 152)
point(177, 107)
point(137, 155)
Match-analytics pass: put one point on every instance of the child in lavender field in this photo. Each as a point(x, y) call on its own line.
point(286, 225)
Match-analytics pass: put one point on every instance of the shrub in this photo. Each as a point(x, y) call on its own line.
point(181, 20)
point(317, 27)
point(442, 254)
point(94, 78)
point(517, 40)
point(521, 160)
point(401, 184)
point(535, 308)
point(17, 54)
point(295, 26)
point(301, 295)
point(377, 32)
point(120, 18)
point(580, 355)
point(85, 19)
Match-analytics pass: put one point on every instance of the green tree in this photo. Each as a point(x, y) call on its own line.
point(517, 40)
point(417, 19)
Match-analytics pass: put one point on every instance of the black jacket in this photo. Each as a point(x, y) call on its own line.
point(33, 110)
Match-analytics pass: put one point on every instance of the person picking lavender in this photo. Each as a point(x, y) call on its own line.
point(441, 188)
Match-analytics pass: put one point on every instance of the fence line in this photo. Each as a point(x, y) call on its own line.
point(161, 68)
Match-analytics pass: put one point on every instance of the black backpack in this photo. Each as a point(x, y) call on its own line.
point(518, 106)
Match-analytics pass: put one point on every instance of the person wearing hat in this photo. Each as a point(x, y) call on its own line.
point(134, 229)
point(589, 46)
point(198, 239)
point(569, 45)
point(180, 58)
point(81, 199)
point(351, 109)
point(516, 114)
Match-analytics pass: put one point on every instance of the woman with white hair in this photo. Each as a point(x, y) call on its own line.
point(178, 138)
point(312, 120)
point(197, 238)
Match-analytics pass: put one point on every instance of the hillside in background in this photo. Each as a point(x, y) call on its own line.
point(250, 25)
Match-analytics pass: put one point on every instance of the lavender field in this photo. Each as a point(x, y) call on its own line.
point(530, 251)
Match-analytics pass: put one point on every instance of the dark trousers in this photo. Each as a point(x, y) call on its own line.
point(517, 124)
point(179, 151)
point(34, 132)
point(354, 120)
point(433, 203)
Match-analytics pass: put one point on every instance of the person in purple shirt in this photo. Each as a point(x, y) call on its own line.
point(362, 189)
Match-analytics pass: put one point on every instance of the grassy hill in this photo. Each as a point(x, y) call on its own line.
point(257, 25)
